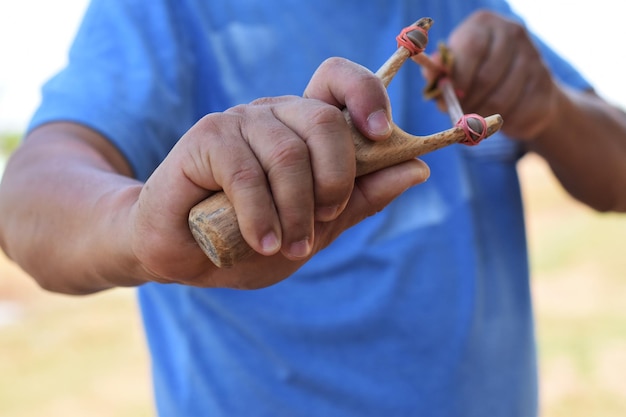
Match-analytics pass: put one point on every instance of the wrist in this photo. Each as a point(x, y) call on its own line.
point(117, 265)
point(551, 119)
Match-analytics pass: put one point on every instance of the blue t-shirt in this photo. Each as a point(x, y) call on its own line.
point(421, 310)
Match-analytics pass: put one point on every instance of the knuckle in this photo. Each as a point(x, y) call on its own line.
point(483, 16)
point(213, 126)
point(516, 31)
point(341, 67)
point(326, 117)
point(289, 153)
point(263, 101)
point(332, 62)
point(245, 176)
point(209, 122)
point(271, 101)
point(239, 110)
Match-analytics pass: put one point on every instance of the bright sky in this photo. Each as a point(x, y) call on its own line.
point(35, 36)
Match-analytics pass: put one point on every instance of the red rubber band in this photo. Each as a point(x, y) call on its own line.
point(472, 137)
point(404, 40)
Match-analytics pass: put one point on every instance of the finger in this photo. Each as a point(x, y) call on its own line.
point(506, 95)
point(331, 149)
point(229, 163)
point(376, 191)
point(534, 101)
point(469, 45)
point(429, 72)
point(285, 158)
point(372, 193)
point(506, 43)
point(343, 83)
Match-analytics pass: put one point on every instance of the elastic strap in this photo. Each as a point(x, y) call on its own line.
point(472, 137)
point(403, 39)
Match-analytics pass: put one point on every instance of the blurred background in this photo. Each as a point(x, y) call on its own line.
point(66, 356)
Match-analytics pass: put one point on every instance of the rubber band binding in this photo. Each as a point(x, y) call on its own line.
point(403, 39)
point(472, 137)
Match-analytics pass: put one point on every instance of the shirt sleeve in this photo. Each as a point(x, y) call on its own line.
point(128, 77)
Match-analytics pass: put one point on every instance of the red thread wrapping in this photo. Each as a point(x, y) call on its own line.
point(403, 39)
point(472, 137)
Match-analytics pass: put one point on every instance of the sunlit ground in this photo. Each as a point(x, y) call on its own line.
point(64, 356)
point(579, 287)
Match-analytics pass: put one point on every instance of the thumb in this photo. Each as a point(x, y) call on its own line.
point(343, 83)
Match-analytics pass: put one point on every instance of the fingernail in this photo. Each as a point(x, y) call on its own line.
point(378, 124)
point(300, 249)
point(270, 244)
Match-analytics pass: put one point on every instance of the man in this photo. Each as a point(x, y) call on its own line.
point(421, 309)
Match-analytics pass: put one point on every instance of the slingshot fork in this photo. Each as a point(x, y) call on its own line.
point(213, 222)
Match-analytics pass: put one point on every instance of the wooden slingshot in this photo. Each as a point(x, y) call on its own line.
point(213, 222)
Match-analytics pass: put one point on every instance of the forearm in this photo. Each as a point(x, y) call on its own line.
point(585, 145)
point(64, 212)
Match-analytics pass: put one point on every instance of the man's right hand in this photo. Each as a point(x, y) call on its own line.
point(287, 164)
